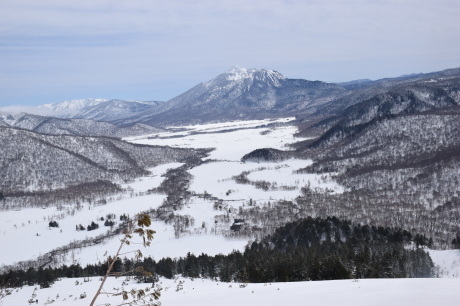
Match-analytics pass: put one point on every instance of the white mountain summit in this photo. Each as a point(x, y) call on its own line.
point(240, 74)
point(245, 77)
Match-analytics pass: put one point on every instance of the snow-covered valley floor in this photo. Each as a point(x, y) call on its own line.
point(214, 178)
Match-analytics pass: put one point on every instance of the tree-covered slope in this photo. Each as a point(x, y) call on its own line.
point(37, 162)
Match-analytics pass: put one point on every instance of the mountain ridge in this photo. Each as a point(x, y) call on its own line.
point(74, 126)
point(238, 94)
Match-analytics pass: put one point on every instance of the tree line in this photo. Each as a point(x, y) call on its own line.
point(308, 249)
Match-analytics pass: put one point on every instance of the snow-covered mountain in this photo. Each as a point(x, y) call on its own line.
point(83, 117)
point(96, 109)
point(262, 196)
point(68, 109)
point(239, 93)
point(242, 93)
point(113, 110)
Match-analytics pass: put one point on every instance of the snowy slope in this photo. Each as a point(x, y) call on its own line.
point(365, 292)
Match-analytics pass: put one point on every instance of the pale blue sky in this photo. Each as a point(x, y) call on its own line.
point(56, 50)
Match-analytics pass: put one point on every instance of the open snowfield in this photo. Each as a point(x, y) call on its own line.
point(228, 145)
point(25, 234)
point(216, 179)
point(364, 292)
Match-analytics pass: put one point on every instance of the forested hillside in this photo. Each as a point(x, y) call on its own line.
point(38, 162)
point(77, 127)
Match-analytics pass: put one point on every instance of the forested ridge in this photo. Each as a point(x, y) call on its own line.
point(396, 152)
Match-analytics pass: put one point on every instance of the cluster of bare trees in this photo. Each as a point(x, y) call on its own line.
point(442, 225)
point(96, 193)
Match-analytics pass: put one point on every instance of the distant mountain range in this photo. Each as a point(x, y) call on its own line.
point(77, 127)
point(237, 94)
point(96, 109)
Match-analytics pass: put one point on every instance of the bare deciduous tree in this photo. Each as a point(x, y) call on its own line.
point(138, 225)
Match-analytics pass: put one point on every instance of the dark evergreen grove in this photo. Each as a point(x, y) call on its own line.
point(316, 249)
point(308, 249)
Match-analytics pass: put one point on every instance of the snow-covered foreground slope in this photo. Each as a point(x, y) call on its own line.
point(365, 292)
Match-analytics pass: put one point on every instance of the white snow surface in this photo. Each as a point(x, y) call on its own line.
point(216, 179)
point(228, 145)
point(364, 292)
point(447, 262)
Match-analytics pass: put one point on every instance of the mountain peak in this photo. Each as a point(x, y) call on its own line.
point(240, 75)
point(237, 73)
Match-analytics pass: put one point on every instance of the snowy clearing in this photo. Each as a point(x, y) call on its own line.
point(228, 145)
